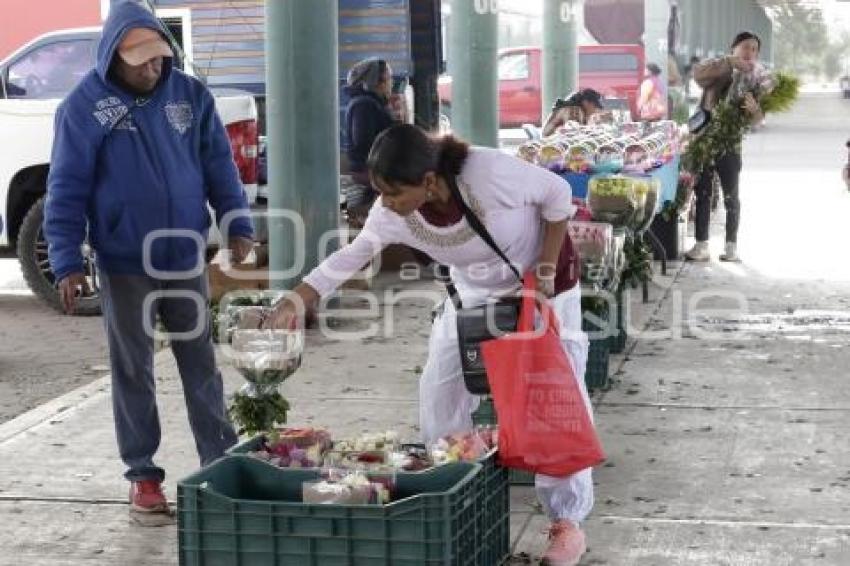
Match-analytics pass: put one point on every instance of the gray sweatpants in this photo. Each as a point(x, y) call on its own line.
point(131, 351)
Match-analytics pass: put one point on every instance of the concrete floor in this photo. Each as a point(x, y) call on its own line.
point(726, 430)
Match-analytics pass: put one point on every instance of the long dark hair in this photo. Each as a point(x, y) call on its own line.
point(404, 154)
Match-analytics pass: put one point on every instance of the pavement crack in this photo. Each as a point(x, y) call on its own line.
point(723, 522)
point(685, 406)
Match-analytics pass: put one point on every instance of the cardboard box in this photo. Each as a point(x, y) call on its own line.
point(253, 274)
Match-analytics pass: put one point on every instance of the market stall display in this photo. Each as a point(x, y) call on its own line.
point(621, 176)
point(631, 147)
point(594, 242)
point(616, 200)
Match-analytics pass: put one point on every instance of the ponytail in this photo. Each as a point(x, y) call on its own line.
point(452, 155)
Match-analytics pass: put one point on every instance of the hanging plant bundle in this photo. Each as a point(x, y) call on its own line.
point(254, 412)
point(724, 133)
point(265, 359)
point(638, 263)
point(729, 123)
point(786, 89)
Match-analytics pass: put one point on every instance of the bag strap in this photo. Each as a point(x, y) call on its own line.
point(479, 228)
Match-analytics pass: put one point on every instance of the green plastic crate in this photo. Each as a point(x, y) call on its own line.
point(619, 339)
point(596, 376)
point(494, 515)
point(250, 445)
point(494, 524)
point(599, 351)
point(242, 512)
point(486, 415)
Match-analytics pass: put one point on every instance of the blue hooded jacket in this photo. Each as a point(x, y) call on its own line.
point(126, 166)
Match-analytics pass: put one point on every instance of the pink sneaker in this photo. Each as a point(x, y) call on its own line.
point(566, 545)
point(147, 497)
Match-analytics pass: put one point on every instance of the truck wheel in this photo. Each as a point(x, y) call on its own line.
point(32, 254)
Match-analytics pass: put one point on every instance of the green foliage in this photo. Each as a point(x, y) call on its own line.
point(684, 191)
point(785, 91)
point(598, 306)
point(724, 133)
point(638, 263)
point(258, 414)
point(729, 123)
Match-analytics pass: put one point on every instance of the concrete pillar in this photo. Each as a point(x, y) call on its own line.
point(703, 31)
point(735, 18)
point(691, 28)
point(753, 19)
point(473, 34)
point(721, 26)
point(656, 18)
point(767, 39)
point(303, 133)
point(560, 49)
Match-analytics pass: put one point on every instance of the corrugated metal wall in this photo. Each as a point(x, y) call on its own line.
point(228, 36)
point(374, 28)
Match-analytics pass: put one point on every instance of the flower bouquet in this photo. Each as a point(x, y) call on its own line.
point(729, 123)
point(265, 358)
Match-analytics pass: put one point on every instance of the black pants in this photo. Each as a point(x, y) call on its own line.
point(728, 168)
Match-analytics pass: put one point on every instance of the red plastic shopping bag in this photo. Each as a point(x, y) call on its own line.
point(544, 426)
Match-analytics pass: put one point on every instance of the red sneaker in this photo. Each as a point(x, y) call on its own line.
point(566, 545)
point(146, 497)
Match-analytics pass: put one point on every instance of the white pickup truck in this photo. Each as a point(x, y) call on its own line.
point(33, 81)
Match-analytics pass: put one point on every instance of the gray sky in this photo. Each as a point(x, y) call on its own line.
point(836, 15)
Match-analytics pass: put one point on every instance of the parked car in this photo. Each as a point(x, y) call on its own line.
point(33, 81)
point(616, 71)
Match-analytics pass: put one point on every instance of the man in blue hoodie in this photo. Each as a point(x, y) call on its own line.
point(139, 152)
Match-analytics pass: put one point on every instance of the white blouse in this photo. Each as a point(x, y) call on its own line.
point(510, 196)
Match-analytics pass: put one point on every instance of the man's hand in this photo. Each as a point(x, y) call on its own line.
point(239, 248)
point(69, 288)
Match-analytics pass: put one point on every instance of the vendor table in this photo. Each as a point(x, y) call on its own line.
point(667, 174)
point(668, 177)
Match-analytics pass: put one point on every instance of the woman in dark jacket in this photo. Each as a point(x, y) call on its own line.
point(370, 87)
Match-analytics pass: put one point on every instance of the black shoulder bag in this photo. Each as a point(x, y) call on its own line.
point(700, 119)
point(698, 122)
point(484, 322)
